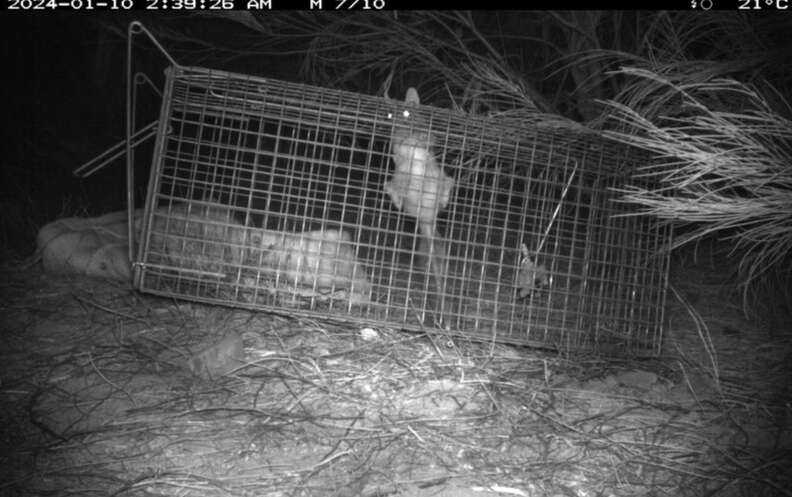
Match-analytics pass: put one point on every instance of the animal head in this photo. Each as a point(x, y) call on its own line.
point(410, 145)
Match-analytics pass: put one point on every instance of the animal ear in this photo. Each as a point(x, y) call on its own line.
point(412, 97)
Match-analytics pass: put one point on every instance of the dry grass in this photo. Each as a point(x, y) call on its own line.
point(98, 401)
point(722, 164)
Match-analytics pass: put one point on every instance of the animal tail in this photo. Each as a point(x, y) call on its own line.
point(436, 256)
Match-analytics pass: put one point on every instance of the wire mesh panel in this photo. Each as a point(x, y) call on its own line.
point(329, 204)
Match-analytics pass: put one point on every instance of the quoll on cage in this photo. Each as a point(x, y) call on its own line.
point(284, 197)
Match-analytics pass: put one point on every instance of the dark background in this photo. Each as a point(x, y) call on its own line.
point(64, 102)
point(63, 99)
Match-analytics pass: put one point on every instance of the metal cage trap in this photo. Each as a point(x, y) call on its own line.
point(322, 203)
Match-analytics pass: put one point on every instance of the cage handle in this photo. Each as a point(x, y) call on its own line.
point(135, 28)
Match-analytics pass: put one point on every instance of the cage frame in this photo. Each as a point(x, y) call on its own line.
point(568, 337)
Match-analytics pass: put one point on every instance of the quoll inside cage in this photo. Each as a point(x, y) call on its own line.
point(285, 197)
